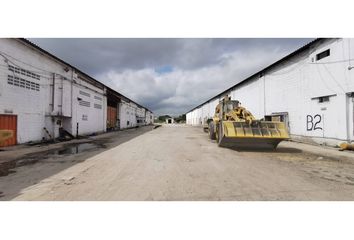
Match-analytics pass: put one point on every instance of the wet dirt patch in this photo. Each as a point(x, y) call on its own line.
point(6, 168)
point(79, 148)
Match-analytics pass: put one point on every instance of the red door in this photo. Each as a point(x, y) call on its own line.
point(111, 117)
point(9, 122)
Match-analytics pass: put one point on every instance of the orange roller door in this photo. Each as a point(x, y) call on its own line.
point(9, 122)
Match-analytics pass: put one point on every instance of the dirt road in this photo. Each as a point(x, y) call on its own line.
point(23, 166)
point(180, 163)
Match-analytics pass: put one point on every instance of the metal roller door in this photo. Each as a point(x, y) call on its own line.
point(111, 117)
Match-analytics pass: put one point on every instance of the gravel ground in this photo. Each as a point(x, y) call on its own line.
point(179, 162)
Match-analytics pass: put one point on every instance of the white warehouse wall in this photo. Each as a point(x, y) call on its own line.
point(31, 107)
point(127, 115)
point(294, 87)
point(149, 117)
point(53, 100)
point(91, 118)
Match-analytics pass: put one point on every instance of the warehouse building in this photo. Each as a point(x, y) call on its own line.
point(311, 89)
point(42, 97)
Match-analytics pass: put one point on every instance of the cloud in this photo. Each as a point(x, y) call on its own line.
point(180, 90)
point(170, 76)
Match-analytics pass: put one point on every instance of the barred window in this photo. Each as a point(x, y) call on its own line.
point(323, 54)
point(24, 72)
point(98, 106)
point(84, 93)
point(323, 99)
point(85, 103)
point(20, 82)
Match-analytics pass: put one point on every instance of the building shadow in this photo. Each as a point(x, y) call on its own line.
point(271, 150)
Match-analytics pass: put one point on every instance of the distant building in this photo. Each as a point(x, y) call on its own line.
point(170, 120)
point(41, 96)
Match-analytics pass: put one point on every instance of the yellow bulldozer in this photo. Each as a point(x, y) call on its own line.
point(235, 126)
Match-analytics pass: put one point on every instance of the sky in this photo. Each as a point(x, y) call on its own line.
point(170, 76)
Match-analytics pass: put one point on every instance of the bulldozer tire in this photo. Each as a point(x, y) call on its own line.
point(219, 133)
point(212, 131)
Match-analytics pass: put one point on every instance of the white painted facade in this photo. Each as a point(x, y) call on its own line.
point(149, 117)
point(89, 107)
point(128, 114)
point(133, 115)
point(140, 116)
point(293, 87)
point(46, 93)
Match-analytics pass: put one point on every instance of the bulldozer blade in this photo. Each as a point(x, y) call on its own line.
point(249, 143)
point(261, 134)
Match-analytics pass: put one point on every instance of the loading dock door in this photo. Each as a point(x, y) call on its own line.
point(9, 122)
point(111, 117)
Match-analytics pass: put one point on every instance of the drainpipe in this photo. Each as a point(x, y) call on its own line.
point(264, 95)
point(71, 93)
point(53, 92)
point(77, 130)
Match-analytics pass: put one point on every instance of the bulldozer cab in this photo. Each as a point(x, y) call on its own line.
point(230, 105)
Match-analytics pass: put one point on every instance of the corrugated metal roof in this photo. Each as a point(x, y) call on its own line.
point(78, 70)
point(303, 48)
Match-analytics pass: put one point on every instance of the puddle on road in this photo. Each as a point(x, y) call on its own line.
point(32, 158)
point(79, 148)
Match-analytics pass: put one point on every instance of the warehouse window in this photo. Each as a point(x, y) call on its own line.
point(84, 103)
point(98, 98)
point(323, 99)
point(323, 54)
point(24, 72)
point(98, 106)
point(84, 93)
point(20, 82)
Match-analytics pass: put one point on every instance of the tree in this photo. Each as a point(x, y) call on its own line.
point(163, 118)
point(180, 119)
